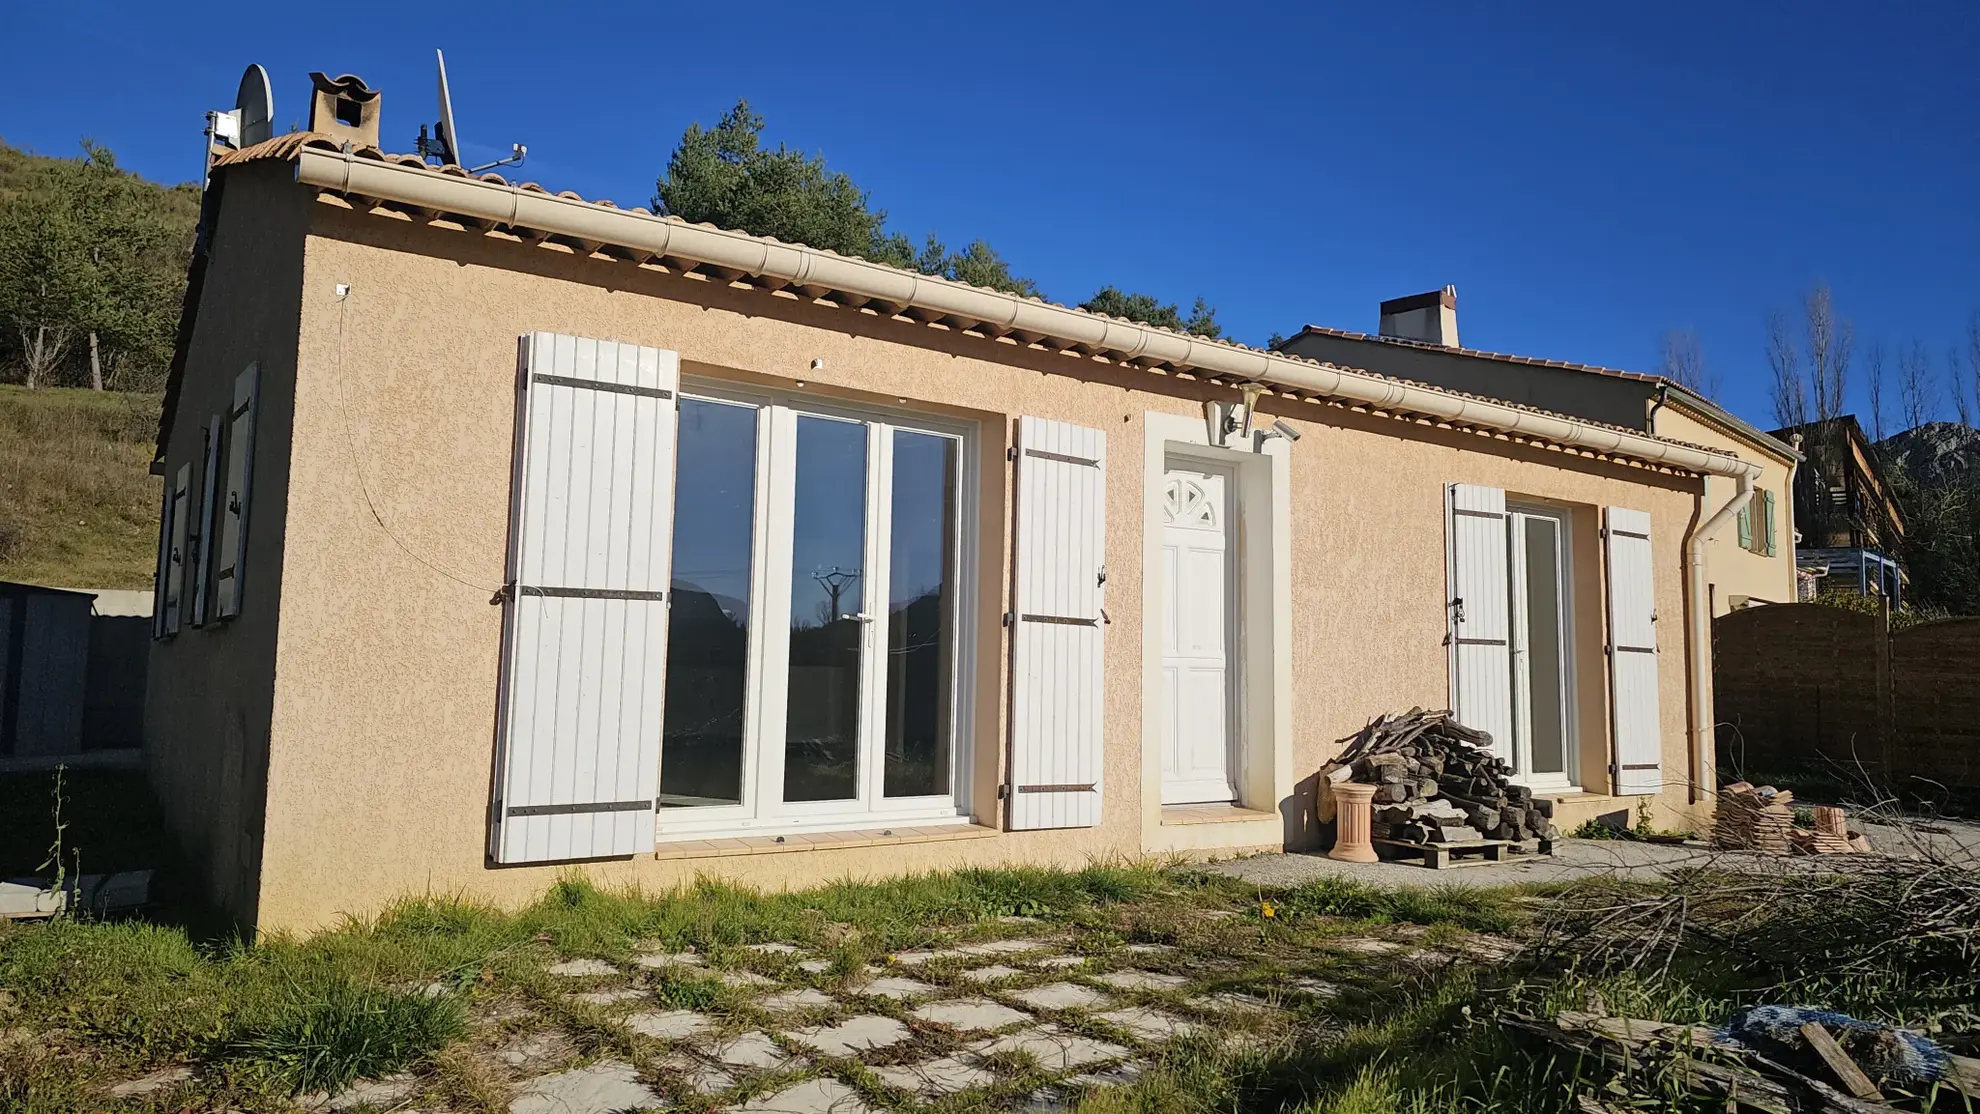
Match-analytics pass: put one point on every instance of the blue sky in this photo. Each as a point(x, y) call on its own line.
point(1587, 175)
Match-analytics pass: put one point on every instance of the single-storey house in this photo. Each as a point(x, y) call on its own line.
point(1749, 561)
point(549, 536)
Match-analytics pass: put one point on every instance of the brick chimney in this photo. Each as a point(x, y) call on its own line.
point(344, 108)
point(1426, 318)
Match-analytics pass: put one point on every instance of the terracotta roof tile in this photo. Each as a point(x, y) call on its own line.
point(288, 146)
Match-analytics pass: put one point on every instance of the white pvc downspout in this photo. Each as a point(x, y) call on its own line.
point(1700, 655)
point(638, 230)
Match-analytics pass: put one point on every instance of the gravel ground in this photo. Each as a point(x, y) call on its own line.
point(1585, 858)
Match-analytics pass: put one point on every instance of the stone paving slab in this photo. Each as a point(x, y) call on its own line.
point(1060, 961)
point(1152, 1026)
point(151, 1082)
point(1061, 996)
point(607, 997)
point(1361, 945)
point(662, 960)
point(894, 986)
point(535, 1048)
point(744, 978)
point(701, 1078)
point(1148, 949)
point(992, 973)
point(1056, 1050)
point(970, 1013)
point(669, 1024)
point(853, 1035)
point(582, 968)
point(813, 1096)
point(814, 966)
point(775, 949)
point(604, 1087)
point(1133, 979)
point(752, 1050)
point(1000, 947)
point(803, 998)
point(945, 1076)
point(382, 1093)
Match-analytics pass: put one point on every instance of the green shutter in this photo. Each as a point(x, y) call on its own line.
point(1746, 526)
point(1767, 524)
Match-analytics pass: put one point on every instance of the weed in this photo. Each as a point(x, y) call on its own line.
point(1481, 910)
point(326, 1040)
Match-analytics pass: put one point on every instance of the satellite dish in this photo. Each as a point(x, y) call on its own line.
point(449, 143)
point(254, 107)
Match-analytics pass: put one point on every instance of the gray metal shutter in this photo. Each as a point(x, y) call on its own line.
point(585, 636)
point(230, 581)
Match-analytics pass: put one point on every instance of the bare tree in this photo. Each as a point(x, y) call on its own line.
point(1811, 377)
point(1915, 386)
point(1873, 366)
point(1830, 339)
point(1684, 363)
point(1973, 357)
point(1790, 393)
point(1956, 379)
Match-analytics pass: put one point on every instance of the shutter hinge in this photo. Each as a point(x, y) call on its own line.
point(502, 595)
point(1010, 453)
point(1010, 618)
point(1004, 791)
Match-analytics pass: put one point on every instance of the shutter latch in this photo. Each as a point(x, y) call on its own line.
point(503, 594)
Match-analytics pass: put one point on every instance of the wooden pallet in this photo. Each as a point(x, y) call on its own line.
point(1437, 856)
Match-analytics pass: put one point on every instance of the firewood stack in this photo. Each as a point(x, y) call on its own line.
point(1437, 781)
point(1754, 819)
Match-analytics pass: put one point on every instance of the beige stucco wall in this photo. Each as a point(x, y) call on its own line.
point(209, 691)
point(384, 703)
point(1731, 571)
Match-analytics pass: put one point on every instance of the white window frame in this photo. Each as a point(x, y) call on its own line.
point(1567, 780)
point(763, 810)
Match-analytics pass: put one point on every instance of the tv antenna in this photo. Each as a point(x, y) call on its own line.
point(444, 143)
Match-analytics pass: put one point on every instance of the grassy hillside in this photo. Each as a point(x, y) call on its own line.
point(78, 506)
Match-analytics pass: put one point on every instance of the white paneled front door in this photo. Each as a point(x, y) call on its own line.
point(1196, 667)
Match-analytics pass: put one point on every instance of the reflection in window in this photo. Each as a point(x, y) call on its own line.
point(821, 731)
point(701, 750)
point(920, 621)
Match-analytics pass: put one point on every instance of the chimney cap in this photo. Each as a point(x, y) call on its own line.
point(349, 86)
point(1434, 299)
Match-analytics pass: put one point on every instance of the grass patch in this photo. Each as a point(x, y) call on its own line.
point(347, 1031)
point(1469, 907)
point(78, 505)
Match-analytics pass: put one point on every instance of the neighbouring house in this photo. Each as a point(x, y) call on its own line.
point(1748, 562)
point(1851, 526)
point(547, 535)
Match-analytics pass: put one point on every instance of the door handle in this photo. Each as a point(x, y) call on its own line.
point(861, 616)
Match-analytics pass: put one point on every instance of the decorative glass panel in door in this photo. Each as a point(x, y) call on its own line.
point(828, 615)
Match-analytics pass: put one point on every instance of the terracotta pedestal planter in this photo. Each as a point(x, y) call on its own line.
point(1353, 807)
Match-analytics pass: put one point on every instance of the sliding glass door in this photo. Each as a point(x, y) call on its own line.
point(812, 675)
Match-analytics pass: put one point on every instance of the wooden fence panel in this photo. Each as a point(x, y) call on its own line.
point(1935, 671)
point(1796, 685)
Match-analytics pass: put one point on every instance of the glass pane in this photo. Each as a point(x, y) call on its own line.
point(701, 744)
point(1546, 665)
point(821, 730)
point(920, 625)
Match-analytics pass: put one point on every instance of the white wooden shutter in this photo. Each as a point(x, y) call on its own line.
point(205, 518)
point(1633, 653)
point(1060, 522)
point(175, 572)
point(230, 581)
point(585, 642)
point(1480, 611)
